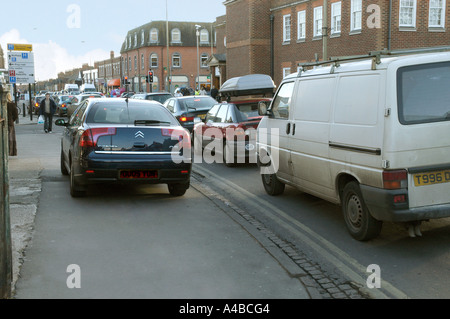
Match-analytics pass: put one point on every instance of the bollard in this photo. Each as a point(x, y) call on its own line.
point(24, 110)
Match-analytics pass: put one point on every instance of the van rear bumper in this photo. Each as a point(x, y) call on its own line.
point(380, 203)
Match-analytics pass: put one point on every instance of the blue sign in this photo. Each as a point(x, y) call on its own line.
point(14, 59)
point(10, 46)
point(12, 79)
point(24, 55)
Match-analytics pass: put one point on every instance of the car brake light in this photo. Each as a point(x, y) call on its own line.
point(185, 119)
point(91, 136)
point(395, 179)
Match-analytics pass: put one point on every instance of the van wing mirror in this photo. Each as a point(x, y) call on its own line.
point(263, 108)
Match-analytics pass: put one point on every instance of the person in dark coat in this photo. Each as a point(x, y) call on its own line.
point(214, 92)
point(13, 115)
point(47, 108)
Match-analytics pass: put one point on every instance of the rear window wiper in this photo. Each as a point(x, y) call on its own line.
point(149, 122)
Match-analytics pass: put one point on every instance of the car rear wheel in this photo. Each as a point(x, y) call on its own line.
point(272, 184)
point(63, 165)
point(178, 189)
point(227, 158)
point(75, 189)
point(360, 224)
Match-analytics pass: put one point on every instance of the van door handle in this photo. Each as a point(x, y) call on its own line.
point(293, 128)
point(288, 128)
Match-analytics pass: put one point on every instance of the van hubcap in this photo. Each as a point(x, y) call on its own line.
point(354, 211)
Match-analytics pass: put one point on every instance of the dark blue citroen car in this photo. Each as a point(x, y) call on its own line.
point(125, 140)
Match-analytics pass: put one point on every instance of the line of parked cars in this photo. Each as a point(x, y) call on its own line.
point(371, 136)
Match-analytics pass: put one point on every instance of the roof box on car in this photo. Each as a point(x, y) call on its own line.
point(252, 84)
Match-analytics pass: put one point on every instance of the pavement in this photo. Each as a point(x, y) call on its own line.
point(26, 185)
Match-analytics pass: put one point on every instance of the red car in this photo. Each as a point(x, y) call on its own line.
point(230, 127)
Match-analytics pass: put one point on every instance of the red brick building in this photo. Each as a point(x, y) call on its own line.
point(145, 48)
point(273, 36)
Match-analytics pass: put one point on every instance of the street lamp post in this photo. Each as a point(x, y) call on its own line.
point(197, 33)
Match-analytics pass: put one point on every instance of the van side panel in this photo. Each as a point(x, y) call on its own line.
point(309, 142)
point(357, 128)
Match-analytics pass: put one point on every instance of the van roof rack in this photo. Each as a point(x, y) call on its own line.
point(374, 55)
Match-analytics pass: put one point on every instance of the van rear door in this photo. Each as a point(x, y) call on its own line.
point(422, 143)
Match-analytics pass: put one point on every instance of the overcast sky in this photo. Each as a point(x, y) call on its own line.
point(67, 33)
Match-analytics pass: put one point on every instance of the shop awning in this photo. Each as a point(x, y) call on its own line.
point(114, 82)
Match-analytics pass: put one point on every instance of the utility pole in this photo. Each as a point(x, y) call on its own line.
point(5, 224)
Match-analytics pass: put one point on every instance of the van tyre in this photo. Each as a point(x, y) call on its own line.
point(178, 189)
point(75, 189)
point(360, 224)
point(272, 184)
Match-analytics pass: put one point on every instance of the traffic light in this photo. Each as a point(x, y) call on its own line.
point(150, 77)
point(125, 80)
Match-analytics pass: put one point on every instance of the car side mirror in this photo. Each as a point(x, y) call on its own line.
point(263, 107)
point(61, 122)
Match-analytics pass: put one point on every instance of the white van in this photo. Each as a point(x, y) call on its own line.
point(71, 88)
point(86, 88)
point(370, 135)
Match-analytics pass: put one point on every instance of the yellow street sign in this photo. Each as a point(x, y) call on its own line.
point(20, 47)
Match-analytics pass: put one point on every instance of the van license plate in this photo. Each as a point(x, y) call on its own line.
point(138, 174)
point(432, 178)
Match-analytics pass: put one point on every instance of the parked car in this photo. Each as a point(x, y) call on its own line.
point(37, 103)
point(187, 108)
point(76, 101)
point(115, 140)
point(230, 127)
point(61, 106)
point(160, 97)
point(369, 135)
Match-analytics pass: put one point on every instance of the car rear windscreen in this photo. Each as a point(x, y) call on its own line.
point(423, 93)
point(122, 114)
point(247, 112)
point(199, 104)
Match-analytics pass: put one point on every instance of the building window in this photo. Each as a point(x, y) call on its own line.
point(135, 39)
point(356, 15)
point(129, 64)
point(336, 18)
point(154, 60)
point(142, 37)
point(287, 28)
point(301, 27)
point(318, 21)
point(142, 62)
point(204, 36)
point(176, 60)
point(203, 60)
point(437, 14)
point(176, 35)
point(153, 35)
point(286, 72)
point(135, 63)
point(129, 42)
point(407, 13)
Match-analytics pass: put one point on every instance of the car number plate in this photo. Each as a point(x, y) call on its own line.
point(431, 178)
point(138, 174)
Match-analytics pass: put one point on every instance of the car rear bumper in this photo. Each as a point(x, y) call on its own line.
point(380, 203)
point(93, 171)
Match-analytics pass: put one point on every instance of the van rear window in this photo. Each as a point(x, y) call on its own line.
point(423, 93)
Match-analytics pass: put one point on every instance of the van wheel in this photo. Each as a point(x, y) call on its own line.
point(360, 224)
point(272, 184)
point(178, 189)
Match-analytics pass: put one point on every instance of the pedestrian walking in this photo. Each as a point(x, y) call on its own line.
point(47, 108)
point(214, 92)
point(13, 115)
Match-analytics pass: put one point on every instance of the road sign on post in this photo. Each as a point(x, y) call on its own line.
point(21, 64)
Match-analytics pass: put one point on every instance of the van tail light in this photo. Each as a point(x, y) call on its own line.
point(395, 179)
point(91, 136)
